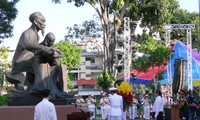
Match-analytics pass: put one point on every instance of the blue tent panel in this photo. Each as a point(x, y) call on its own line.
point(163, 82)
point(180, 51)
point(140, 81)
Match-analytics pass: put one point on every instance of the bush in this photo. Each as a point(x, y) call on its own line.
point(4, 99)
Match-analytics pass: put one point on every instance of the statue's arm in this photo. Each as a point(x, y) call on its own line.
point(30, 43)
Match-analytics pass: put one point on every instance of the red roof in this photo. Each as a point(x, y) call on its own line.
point(86, 82)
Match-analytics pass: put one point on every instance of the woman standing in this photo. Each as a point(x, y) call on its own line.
point(146, 105)
point(91, 105)
point(133, 108)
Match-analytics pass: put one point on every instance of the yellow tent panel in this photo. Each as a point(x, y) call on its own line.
point(196, 83)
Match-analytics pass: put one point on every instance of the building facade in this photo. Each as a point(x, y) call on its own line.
point(85, 77)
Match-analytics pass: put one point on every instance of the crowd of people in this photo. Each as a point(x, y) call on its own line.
point(189, 106)
point(111, 106)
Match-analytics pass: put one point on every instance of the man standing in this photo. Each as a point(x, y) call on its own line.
point(158, 106)
point(45, 110)
point(184, 105)
point(192, 105)
point(116, 102)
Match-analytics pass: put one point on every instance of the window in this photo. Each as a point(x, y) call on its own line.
point(88, 87)
point(91, 59)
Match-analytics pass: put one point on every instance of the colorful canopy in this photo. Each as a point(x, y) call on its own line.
point(180, 52)
point(144, 77)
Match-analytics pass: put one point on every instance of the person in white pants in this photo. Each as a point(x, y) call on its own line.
point(105, 107)
point(91, 105)
point(146, 105)
point(116, 103)
point(133, 108)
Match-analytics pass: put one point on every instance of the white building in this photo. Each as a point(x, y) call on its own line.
point(85, 76)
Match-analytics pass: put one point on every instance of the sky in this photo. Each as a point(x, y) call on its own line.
point(59, 16)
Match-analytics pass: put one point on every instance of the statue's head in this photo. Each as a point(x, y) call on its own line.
point(49, 39)
point(38, 20)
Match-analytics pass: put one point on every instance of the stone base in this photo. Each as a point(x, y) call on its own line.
point(27, 112)
point(23, 99)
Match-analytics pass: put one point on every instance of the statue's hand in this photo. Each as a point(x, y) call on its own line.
point(56, 53)
point(48, 50)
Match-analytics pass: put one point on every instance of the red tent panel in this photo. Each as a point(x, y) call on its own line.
point(86, 82)
point(146, 76)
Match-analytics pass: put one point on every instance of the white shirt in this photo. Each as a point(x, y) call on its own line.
point(146, 102)
point(91, 102)
point(158, 105)
point(104, 101)
point(45, 110)
point(116, 103)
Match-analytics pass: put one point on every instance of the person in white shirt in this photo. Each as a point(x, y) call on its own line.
point(116, 102)
point(158, 106)
point(91, 105)
point(146, 105)
point(105, 106)
point(133, 108)
point(45, 110)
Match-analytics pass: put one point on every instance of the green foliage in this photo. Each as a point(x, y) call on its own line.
point(8, 13)
point(152, 13)
point(156, 54)
point(3, 54)
point(104, 80)
point(88, 29)
point(155, 13)
point(70, 84)
point(185, 17)
point(71, 54)
point(4, 65)
point(4, 99)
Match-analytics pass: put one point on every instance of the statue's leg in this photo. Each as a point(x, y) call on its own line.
point(16, 75)
point(29, 81)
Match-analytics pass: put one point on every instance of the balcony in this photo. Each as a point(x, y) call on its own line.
point(85, 92)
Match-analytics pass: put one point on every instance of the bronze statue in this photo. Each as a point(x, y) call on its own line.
point(49, 70)
point(36, 66)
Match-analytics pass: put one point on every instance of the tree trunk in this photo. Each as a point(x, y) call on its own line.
point(154, 79)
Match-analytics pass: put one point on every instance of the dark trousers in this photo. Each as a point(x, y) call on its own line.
point(159, 117)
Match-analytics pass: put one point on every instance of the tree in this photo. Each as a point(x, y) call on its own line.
point(91, 29)
point(104, 80)
point(4, 67)
point(156, 54)
point(153, 13)
point(8, 13)
point(184, 17)
point(71, 56)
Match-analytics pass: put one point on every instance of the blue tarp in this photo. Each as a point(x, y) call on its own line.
point(140, 81)
point(180, 51)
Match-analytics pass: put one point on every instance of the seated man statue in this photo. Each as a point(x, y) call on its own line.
point(25, 64)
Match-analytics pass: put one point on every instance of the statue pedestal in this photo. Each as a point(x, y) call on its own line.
point(27, 112)
point(24, 99)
